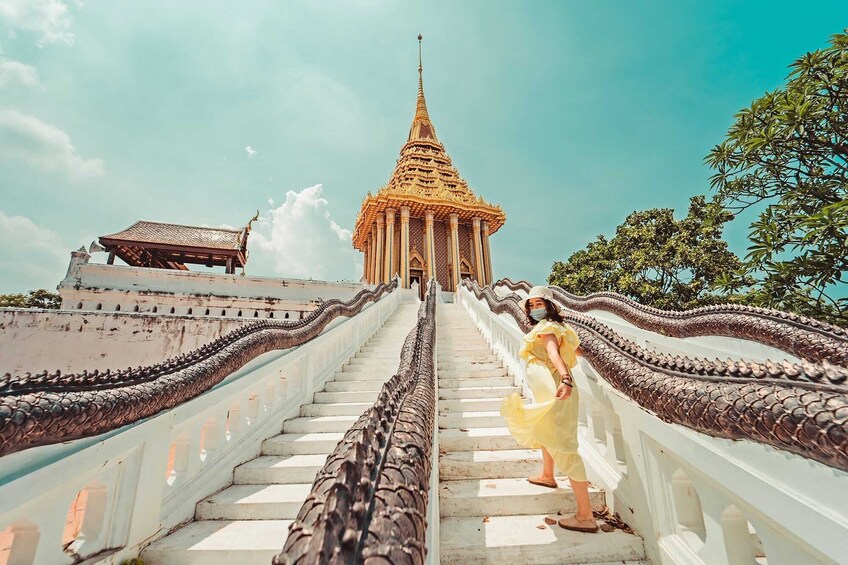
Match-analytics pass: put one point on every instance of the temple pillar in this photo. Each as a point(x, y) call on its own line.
point(430, 245)
point(378, 273)
point(389, 249)
point(404, 246)
point(478, 253)
point(367, 258)
point(454, 250)
point(487, 253)
point(373, 263)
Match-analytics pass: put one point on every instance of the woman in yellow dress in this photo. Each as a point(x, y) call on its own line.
point(550, 422)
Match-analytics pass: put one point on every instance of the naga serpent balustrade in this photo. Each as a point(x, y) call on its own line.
point(48, 408)
point(800, 408)
point(369, 502)
point(805, 338)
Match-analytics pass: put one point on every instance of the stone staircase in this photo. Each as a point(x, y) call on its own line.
point(489, 512)
point(248, 521)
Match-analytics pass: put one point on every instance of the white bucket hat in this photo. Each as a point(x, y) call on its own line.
point(539, 292)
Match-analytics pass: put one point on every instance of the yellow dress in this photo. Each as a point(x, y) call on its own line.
point(547, 422)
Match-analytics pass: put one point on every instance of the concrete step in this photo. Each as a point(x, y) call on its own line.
point(474, 382)
point(449, 365)
point(487, 419)
point(217, 542)
point(490, 464)
point(254, 502)
point(470, 405)
point(395, 342)
point(477, 392)
point(505, 497)
point(354, 386)
point(465, 349)
point(359, 364)
point(378, 352)
point(476, 439)
point(458, 357)
point(509, 540)
point(279, 470)
point(314, 424)
point(382, 375)
point(383, 348)
point(302, 444)
point(353, 396)
point(469, 373)
point(336, 409)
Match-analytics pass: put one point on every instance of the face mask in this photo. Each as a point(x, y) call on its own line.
point(538, 314)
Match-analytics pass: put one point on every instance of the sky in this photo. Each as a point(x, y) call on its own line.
point(569, 114)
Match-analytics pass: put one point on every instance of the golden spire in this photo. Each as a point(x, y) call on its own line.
point(421, 126)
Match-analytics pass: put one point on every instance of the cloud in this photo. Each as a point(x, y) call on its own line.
point(28, 139)
point(299, 239)
point(49, 19)
point(33, 256)
point(17, 73)
point(251, 152)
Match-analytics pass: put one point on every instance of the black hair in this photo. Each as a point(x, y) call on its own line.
point(551, 312)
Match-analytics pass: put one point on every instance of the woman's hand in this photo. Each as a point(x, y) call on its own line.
point(563, 391)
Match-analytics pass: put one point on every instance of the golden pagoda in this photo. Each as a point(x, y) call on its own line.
point(444, 228)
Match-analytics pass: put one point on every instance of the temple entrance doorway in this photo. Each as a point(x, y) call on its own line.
point(417, 276)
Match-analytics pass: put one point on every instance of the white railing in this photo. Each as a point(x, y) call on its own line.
point(694, 499)
point(110, 495)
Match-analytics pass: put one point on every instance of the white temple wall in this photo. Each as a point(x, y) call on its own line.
point(34, 340)
point(110, 288)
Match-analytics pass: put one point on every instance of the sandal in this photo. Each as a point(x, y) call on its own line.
point(535, 481)
point(575, 525)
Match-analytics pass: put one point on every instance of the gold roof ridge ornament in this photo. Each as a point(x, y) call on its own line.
point(424, 179)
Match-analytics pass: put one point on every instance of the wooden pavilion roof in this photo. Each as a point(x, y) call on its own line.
point(172, 246)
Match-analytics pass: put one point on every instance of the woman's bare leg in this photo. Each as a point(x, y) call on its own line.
point(547, 468)
point(547, 464)
point(581, 496)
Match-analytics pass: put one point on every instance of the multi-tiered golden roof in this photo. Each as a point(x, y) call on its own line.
point(425, 178)
point(424, 181)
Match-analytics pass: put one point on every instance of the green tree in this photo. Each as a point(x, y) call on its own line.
point(657, 260)
point(787, 155)
point(34, 299)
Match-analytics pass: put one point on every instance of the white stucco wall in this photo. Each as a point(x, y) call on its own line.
point(34, 340)
point(99, 287)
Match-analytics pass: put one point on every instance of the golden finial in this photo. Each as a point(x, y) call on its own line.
point(420, 68)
